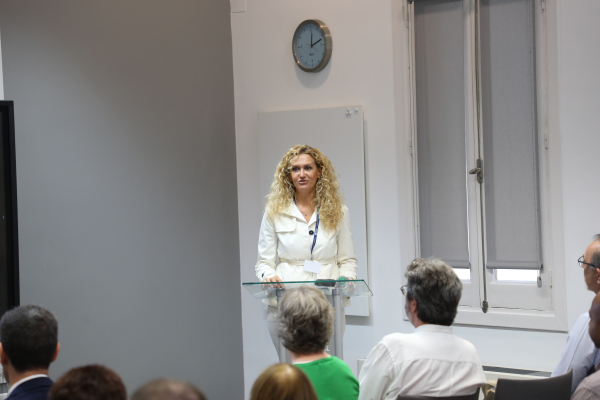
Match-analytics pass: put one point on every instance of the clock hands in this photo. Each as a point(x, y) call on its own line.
point(315, 42)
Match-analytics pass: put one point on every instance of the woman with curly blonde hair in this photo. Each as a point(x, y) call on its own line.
point(306, 226)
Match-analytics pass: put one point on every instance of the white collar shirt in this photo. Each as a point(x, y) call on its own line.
point(431, 361)
point(13, 387)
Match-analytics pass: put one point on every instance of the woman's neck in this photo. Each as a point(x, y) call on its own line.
point(303, 358)
point(305, 199)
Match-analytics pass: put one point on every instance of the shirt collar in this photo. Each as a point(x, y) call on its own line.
point(13, 387)
point(293, 211)
point(434, 328)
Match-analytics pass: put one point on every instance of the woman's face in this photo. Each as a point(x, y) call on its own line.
point(304, 173)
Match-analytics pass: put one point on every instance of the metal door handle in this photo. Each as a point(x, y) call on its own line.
point(478, 170)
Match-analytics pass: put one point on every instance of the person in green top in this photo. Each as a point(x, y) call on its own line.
point(305, 326)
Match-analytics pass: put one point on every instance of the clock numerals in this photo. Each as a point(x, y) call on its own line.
point(311, 45)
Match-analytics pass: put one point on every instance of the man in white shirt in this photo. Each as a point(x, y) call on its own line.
point(580, 353)
point(28, 344)
point(431, 361)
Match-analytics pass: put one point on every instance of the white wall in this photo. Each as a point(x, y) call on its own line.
point(360, 72)
point(580, 134)
point(125, 147)
point(367, 49)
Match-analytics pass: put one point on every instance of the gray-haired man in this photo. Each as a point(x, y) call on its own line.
point(431, 361)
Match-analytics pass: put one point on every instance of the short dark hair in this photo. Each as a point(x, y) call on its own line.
point(596, 255)
point(436, 288)
point(29, 336)
point(167, 389)
point(91, 382)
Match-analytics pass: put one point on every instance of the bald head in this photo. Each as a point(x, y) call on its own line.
point(595, 321)
point(166, 389)
point(596, 250)
point(591, 270)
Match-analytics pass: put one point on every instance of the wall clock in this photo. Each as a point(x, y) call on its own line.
point(312, 45)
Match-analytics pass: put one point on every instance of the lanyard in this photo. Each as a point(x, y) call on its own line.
point(315, 235)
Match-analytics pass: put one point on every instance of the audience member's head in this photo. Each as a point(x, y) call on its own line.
point(29, 341)
point(166, 389)
point(305, 320)
point(282, 382)
point(433, 292)
point(91, 382)
point(591, 265)
point(595, 321)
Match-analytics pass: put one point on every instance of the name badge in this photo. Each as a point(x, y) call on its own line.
point(312, 266)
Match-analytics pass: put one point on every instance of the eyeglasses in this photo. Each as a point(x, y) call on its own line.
point(404, 289)
point(581, 263)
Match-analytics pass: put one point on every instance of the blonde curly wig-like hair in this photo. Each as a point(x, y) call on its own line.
point(328, 197)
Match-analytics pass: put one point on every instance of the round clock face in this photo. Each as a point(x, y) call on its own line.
point(311, 45)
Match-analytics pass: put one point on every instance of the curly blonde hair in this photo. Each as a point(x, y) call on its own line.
point(328, 197)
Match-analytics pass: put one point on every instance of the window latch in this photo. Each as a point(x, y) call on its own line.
point(478, 171)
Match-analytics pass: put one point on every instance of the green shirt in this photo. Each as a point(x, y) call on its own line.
point(332, 379)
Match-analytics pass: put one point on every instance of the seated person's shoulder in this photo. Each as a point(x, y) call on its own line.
point(340, 364)
point(469, 351)
point(588, 388)
point(395, 340)
point(466, 344)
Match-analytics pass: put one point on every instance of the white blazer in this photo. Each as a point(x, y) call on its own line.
point(287, 239)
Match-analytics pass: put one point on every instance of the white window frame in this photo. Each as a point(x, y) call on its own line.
point(549, 173)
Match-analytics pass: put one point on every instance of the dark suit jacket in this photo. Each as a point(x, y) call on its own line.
point(35, 389)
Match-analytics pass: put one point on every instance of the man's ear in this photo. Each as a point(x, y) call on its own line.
point(413, 306)
point(56, 352)
point(3, 357)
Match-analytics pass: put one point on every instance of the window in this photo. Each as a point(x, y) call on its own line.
point(479, 148)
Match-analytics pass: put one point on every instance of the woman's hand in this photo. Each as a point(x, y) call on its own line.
point(275, 279)
point(350, 288)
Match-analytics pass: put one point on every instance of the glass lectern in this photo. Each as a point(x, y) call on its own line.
point(334, 290)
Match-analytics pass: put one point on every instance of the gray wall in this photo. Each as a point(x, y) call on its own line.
point(127, 183)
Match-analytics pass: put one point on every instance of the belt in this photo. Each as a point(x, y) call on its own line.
point(299, 262)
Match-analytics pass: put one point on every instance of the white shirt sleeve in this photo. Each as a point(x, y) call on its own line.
point(377, 374)
point(580, 353)
point(346, 258)
point(267, 250)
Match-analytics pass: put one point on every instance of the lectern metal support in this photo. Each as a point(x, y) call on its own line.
point(338, 335)
point(282, 350)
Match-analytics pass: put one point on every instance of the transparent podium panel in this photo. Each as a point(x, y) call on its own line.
point(347, 288)
point(334, 290)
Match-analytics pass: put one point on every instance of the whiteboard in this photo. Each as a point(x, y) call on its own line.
point(338, 133)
